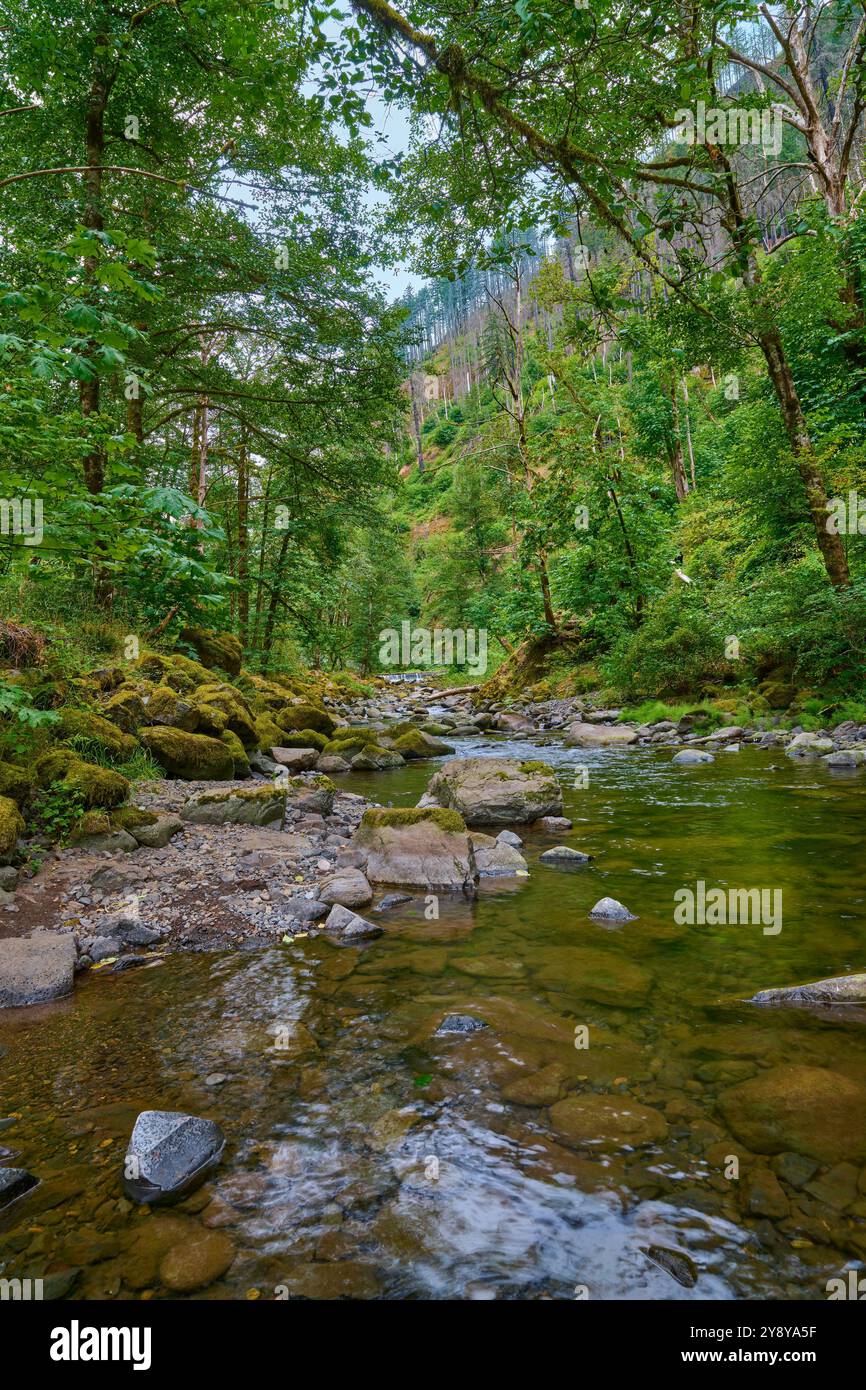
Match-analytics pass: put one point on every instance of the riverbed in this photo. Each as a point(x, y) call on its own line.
point(369, 1156)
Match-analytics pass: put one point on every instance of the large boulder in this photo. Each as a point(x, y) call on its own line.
point(257, 806)
point(192, 757)
point(415, 743)
point(231, 708)
point(808, 745)
point(35, 969)
point(296, 759)
point(495, 791)
point(293, 718)
point(215, 650)
point(96, 786)
point(581, 735)
point(16, 783)
point(164, 706)
point(375, 759)
point(417, 848)
point(805, 1110)
point(169, 1154)
point(90, 731)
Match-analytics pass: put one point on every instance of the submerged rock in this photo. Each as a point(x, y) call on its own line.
point(460, 1023)
point(609, 910)
point(35, 969)
point(592, 1120)
point(196, 1262)
point(14, 1182)
point(808, 1110)
point(392, 900)
point(674, 1262)
point(169, 1155)
point(495, 791)
point(688, 757)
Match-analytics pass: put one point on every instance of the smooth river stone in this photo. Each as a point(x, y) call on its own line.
point(592, 973)
point(589, 1120)
point(196, 1262)
point(807, 1110)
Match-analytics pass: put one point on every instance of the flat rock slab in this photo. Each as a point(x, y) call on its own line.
point(36, 969)
point(169, 1154)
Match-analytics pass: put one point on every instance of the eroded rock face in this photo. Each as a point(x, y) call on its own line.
point(35, 969)
point(805, 1110)
point(417, 848)
point(495, 791)
point(169, 1155)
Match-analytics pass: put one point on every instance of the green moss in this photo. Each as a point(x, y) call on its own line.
point(126, 817)
point(303, 716)
point(270, 791)
point(125, 708)
point(215, 650)
point(532, 766)
point(192, 757)
point(15, 783)
point(211, 720)
point(319, 783)
point(239, 716)
point(97, 786)
point(305, 738)
point(11, 824)
point(448, 820)
point(347, 743)
point(87, 728)
point(269, 734)
point(165, 706)
point(236, 748)
point(91, 823)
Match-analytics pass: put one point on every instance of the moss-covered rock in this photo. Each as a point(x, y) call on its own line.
point(314, 794)
point(305, 738)
point(348, 742)
point(216, 650)
point(269, 734)
point(238, 752)
point(125, 708)
point(15, 783)
point(377, 816)
point(11, 825)
point(97, 786)
point(257, 806)
point(124, 818)
point(239, 717)
point(192, 757)
point(416, 744)
point(165, 706)
point(372, 758)
point(211, 720)
point(303, 716)
point(86, 727)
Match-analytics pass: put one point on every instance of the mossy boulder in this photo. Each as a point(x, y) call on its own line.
point(239, 717)
point(427, 848)
point(495, 791)
point(416, 744)
point(126, 818)
point(306, 738)
point(192, 757)
point(216, 650)
point(238, 752)
point(258, 806)
point(97, 786)
point(89, 728)
point(165, 706)
point(372, 758)
point(125, 708)
point(269, 734)
point(313, 794)
point(348, 742)
point(11, 825)
point(15, 783)
point(211, 720)
point(305, 716)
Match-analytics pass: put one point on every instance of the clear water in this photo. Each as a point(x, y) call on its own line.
point(374, 1158)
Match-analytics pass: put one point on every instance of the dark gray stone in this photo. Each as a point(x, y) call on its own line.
point(14, 1182)
point(169, 1155)
point(460, 1023)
